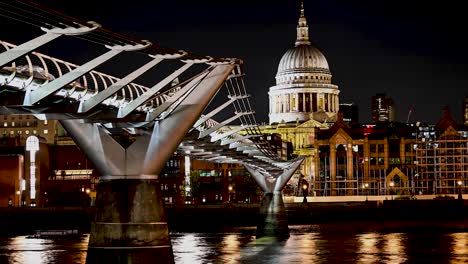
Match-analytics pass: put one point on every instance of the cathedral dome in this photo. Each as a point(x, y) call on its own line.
point(303, 59)
point(304, 89)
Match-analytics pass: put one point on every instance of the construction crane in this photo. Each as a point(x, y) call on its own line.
point(409, 114)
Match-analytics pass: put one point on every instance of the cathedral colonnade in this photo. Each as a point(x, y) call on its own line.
point(304, 101)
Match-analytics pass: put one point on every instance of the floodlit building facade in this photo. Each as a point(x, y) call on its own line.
point(43, 166)
point(389, 159)
point(364, 159)
point(442, 157)
point(23, 126)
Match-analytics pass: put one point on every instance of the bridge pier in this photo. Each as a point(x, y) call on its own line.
point(272, 220)
point(130, 224)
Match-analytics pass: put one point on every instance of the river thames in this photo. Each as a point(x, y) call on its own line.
point(333, 243)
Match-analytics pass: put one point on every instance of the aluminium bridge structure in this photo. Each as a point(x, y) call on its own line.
point(166, 117)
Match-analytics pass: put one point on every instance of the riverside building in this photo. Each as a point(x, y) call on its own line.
point(345, 158)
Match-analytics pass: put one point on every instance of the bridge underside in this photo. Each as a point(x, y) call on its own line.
point(130, 225)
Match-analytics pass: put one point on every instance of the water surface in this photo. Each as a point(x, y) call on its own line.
point(335, 243)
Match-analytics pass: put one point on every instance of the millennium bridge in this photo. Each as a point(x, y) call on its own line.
point(172, 115)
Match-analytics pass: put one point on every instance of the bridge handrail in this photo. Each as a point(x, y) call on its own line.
point(79, 89)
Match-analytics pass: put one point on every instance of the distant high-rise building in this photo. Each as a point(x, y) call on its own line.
point(383, 108)
point(465, 110)
point(350, 112)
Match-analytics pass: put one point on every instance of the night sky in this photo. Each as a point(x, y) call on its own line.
point(413, 51)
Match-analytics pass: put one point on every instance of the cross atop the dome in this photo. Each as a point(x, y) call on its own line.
point(302, 29)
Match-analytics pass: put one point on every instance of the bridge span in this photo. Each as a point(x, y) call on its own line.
point(169, 116)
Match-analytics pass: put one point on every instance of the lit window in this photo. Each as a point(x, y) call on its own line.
point(27, 132)
point(5, 124)
point(12, 132)
point(45, 122)
point(32, 145)
point(46, 131)
point(34, 132)
point(12, 123)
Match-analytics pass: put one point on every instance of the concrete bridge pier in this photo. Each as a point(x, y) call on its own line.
point(272, 221)
point(130, 224)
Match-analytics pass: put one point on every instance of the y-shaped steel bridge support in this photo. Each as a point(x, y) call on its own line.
point(130, 212)
point(130, 223)
point(273, 222)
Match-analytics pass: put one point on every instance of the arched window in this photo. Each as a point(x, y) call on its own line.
point(32, 143)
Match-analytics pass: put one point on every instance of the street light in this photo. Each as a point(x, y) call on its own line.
point(460, 196)
point(230, 190)
point(304, 193)
point(365, 186)
point(19, 197)
point(415, 176)
point(392, 183)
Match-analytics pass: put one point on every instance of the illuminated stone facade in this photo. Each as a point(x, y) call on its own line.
point(23, 126)
point(386, 159)
point(303, 89)
point(442, 157)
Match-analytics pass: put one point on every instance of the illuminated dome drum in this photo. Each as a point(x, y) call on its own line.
point(303, 89)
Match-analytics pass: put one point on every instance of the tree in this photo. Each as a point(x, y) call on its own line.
point(194, 183)
point(249, 187)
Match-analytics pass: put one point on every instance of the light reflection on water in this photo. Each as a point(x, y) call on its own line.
point(23, 250)
point(460, 247)
point(307, 244)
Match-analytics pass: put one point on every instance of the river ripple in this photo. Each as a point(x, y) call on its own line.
point(306, 244)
